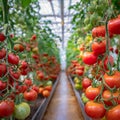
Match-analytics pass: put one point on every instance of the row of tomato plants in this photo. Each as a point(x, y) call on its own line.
point(96, 71)
point(28, 67)
point(21, 79)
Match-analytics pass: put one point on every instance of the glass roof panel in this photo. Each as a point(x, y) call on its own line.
point(51, 10)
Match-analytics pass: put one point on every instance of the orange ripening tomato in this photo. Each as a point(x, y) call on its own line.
point(49, 88)
point(19, 47)
point(46, 93)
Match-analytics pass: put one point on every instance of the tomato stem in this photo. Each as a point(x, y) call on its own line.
point(108, 46)
point(5, 11)
point(118, 60)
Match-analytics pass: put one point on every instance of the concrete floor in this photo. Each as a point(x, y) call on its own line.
point(63, 105)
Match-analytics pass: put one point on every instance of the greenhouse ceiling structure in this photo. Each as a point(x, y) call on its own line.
point(59, 15)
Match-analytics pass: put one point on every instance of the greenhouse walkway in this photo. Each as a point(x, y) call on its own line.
point(63, 105)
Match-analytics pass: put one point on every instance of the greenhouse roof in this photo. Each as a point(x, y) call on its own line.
point(57, 11)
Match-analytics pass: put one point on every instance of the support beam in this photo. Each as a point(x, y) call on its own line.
point(52, 7)
point(62, 20)
point(55, 23)
point(69, 15)
point(70, 1)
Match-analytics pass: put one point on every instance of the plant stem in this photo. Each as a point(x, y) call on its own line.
point(108, 45)
point(5, 11)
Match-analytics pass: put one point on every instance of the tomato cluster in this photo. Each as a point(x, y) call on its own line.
point(100, 81)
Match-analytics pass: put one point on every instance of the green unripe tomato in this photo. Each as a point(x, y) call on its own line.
point(21, 111)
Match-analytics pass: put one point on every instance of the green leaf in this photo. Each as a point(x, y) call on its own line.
point(25, 3)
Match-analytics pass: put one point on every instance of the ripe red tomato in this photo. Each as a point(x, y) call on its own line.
point(35, 56)
point(89, 58)
point(23, 71)
point(2, 37)
point(86, 82)
point(36, 88)
point(46, 77)
point(22, 88)
point(14, 74)
point(6, 108)
point(30, 95)
point(95, 110)
point(33, 37)
point(99, 32)
point(19, 47)
point(82, 47)
point(108, 94)
point(24, 65)
point(28, 82)
point(111, 49)
point(113, 113)
point(3, 85)
point(99, 47)
point(2, 53)
point(92, 92)
point(114, 25)
point(79, 72)
point(108, 59)
point(11, 35)
point(112, 80)
point(3, 69)
point(116, 51)
point(80, 67)
point(40, 75)
point(13, 59)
